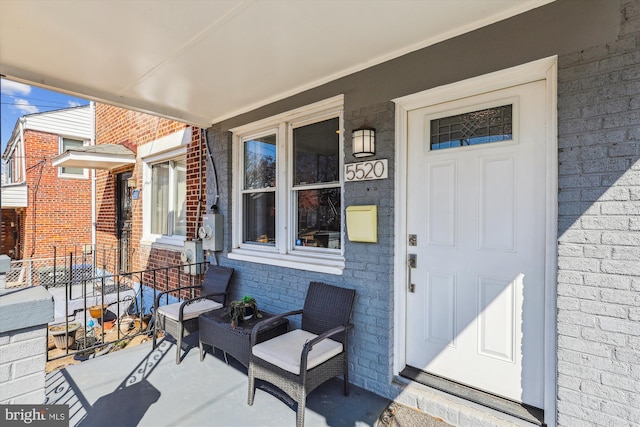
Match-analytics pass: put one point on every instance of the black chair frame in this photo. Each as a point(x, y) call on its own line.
point(326, 313)
point(216, 278)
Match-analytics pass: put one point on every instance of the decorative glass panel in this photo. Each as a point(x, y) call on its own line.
point(473, 128)
point(260, 218)
point(319, 218)
point(260, 162)
point(316, 153)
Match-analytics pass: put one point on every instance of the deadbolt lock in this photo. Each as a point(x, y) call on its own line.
point(413, 240)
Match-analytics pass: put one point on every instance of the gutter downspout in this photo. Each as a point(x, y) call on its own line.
point(214, 206)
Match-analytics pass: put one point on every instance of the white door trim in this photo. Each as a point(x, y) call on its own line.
point(543, 69)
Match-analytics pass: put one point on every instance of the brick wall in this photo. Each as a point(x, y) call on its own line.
point(22, 365)
point(59, 209)
point(116, 125)
point(283, 289)
point(599, 236)
point(599, 231)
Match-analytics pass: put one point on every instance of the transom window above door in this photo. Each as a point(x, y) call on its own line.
point(288, 199)
point(472, 128)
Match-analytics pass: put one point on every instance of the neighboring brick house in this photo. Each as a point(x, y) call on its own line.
point(44, 206)
point(167, 160)
point(47, 206)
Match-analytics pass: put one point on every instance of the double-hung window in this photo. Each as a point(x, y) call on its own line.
point(67, 172)
point(288, 189)
point(165, 189)
point(169, 198)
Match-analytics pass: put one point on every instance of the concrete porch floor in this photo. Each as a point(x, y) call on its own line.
point(140, 386)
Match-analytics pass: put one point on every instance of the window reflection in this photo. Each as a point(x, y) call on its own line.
point(259, 195)
point(260, 162)
point(319, 218)
point(316, 166)
point(316, 149)
point(260, 218)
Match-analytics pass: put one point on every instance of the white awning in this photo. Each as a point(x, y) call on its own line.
point(104, 156)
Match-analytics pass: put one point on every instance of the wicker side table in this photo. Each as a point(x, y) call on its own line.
point(216, 331)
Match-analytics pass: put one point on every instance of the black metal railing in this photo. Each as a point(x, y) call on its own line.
point(88, 307)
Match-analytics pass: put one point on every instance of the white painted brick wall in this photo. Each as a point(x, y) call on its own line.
point(22, 365)
point(599, 229)
point(599, 236)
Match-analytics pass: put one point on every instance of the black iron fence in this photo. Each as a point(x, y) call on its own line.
point(95, 308)
point(95, 313)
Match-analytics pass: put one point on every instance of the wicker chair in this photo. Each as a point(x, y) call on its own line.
point(181, 318)
point(300, 360)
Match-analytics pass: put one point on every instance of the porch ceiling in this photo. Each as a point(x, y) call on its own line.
point(203, 61)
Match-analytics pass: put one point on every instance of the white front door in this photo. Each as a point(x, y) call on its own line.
point(476, 206)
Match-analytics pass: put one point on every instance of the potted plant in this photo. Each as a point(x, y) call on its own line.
point(243, 309)
point(63, 339)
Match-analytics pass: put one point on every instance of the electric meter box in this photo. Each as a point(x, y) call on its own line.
point(211, 232)
point(192, 257)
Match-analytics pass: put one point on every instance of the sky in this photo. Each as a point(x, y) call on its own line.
point(19, 100)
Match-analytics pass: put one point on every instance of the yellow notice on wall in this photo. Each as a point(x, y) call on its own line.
point(362, 223)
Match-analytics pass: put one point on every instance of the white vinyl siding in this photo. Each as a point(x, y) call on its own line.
point(14, 196)
point(74, 122)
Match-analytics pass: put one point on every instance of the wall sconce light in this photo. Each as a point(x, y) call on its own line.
point(131, 182)
point(364, 142)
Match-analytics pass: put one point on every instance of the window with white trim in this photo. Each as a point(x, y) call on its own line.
point(164, 189)
point(65, 144)
point(169, 198)
point(288, 189)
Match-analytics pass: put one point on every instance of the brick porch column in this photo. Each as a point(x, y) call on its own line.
point(24, 315)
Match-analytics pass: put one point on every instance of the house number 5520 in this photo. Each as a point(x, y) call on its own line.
point(364, 171)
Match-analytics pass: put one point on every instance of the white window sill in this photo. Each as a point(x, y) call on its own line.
point(319, 264)
point(171, 243)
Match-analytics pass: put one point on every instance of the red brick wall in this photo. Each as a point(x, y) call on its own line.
point(120, 126)
point(59, 209)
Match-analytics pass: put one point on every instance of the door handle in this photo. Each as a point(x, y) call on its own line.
point(412, 263)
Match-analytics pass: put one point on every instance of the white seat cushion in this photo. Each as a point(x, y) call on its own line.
point(284, 351)
point(172, 311)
